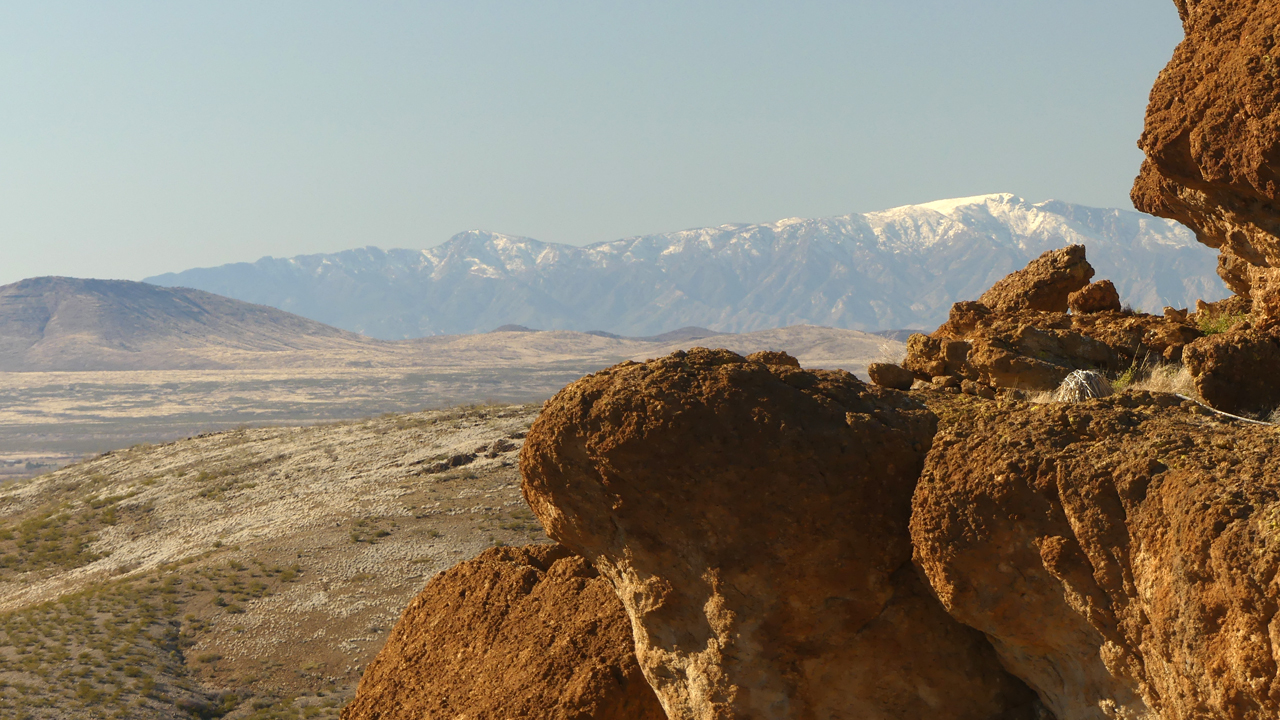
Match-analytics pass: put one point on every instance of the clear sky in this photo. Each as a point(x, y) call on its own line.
point(145, 137)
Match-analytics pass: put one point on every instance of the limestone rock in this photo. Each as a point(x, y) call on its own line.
point(515, 632)
point(1238, 370)
point(1121, 554)
point(1100, 296)
point(1212, 135)
point(1045, 284)
point(891, 376)
point(752, 518)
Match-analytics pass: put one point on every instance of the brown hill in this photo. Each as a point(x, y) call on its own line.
point(58, 323)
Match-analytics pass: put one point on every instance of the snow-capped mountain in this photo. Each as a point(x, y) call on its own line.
point(899, 268)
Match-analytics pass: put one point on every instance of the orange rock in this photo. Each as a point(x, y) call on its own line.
point(1045, 284)
point(1096, 297)
point(752, 517)
point(514, 633)
point(1212, 135)
point(1238, 370)
point(1120, 553)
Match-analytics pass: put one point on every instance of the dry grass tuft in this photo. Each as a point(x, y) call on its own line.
point(1170, 378)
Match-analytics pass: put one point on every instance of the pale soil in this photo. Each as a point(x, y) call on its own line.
point(314, 538)
point(52, 418)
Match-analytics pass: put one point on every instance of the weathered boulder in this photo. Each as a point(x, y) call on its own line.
point(752, 517)
point(1238, 370)
point(1100, 296)
point(1121, 554)
point(891, 376)
point(1212, 135)
point(1045, 284)
point(515, 632)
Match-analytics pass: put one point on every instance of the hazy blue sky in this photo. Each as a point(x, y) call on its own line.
point(138, 138)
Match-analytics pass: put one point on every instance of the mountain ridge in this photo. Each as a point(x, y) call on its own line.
point(901, 267)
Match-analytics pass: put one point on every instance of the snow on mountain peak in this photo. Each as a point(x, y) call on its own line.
point(948, 207)
point(898, 268)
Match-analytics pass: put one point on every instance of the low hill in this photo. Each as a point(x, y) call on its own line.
point(58, 323)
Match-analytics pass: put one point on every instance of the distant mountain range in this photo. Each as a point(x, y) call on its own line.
point(71, 324)
point(900, 268)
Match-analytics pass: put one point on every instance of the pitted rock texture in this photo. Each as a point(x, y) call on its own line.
point(1212, 135)
point(1121, 553)
point(1100, 296)
point(1032, 350)
point(752, 517)
point(1034, 344)
point(529, 632)
point(1239, 370)
point(1045, 284)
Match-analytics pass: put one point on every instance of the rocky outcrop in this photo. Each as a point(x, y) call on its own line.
point(1212, 140)
point(1045, 284)
point(1020, 337)
point(1212, 135)
point(516, 632)
point(1121, 554)
point(752, 517)
point(891, 376)
point(1030, 350)
point(1236, 370)
point(1101, 296)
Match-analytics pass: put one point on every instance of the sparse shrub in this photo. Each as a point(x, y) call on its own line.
point(208, 658)
point(1219, 323)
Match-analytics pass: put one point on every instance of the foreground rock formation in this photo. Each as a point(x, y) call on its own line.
point(752, 517)
point(516, 632)
point(1121, 554)
point(1212, 140)
point(1212, 136)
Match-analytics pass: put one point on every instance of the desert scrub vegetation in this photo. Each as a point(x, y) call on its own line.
point(1157, 377)
point(119, 647)
point(370, 530)
point(113, 649)
point(57, 536)
point(1212, 324)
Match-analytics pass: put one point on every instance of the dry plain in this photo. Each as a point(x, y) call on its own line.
point(48, 419)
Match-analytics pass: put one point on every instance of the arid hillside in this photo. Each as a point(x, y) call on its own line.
point(246, 574)
point(55, 323)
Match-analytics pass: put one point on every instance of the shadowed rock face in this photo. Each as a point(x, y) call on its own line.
point(516, 632)
point(1212, 135)
point(752, 517)
point(1236, 370)
point(1121, 554)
